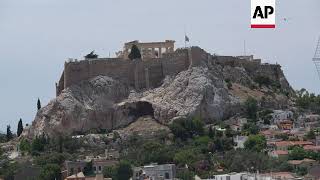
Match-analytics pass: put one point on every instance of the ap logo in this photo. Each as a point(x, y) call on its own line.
point(263, 14)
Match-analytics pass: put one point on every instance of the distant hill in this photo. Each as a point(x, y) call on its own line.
point(212, 87)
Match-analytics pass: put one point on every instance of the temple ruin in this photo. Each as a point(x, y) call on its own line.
point(148, 49)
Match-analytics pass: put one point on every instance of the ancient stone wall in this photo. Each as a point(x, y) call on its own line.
point(75, 72)
point(150, 72)
point(137, 73)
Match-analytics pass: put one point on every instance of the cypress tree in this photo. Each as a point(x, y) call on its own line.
point(135, 53)
point(9, 133)
point(39, 104)
point(20, 128)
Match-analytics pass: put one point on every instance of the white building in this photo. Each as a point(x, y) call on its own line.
point(249, 176)
point(155, 172)
point(239, 141)
point(279, 115)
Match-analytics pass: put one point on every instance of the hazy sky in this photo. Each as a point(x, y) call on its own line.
point(37, 36)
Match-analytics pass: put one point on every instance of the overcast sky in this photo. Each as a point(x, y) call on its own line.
point(37, 36)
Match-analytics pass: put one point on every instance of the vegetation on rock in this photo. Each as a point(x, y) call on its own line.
point(135, 53)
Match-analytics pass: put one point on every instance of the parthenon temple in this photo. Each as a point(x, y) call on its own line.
point(148, 49)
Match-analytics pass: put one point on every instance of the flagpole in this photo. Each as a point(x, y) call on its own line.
point(244, 48)
point(185, 34)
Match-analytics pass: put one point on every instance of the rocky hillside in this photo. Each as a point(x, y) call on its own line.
point(211, 90)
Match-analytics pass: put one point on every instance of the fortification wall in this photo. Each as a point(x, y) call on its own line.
point(273, 71)
point(147, 73)
point(150, 72)
point(60, 84)
point(197, 55)
point(250, 66)
point(75, 72)
point(174, 63)
point(137, 73)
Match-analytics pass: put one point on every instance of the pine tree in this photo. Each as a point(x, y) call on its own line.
point(135, 53)
point(211, 132)
point(20, 128)
point(39, 104)
point(9, 133)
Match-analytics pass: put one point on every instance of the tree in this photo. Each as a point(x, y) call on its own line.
point(25, 145)
point(211, 132)
point(38, 144)
point(155, 152)
point(297, 153)
point(135, 53)
point(222, 144)
point(8, 169)
point(38, 104)
point(20, 128)
point(185, 174)
point(311, 135)
point(110, 172)
point(9, 133)
point(282, 136)
point(250, 128)
point(91, 55)
point(229, 85)
point(241, 160)
point(263, 80)
point(124, 171)
point(251, 108)
point(301, 171)
point(88, 169)
point(185, 128)
point(256, 143)
point(50, 172)
point(187, 156)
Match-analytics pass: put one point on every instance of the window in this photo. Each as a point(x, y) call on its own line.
point(99, 168)
point(166, 175)
point(94, 168)
point(228, 177)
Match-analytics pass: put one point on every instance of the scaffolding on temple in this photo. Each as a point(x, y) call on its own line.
point(316, 58)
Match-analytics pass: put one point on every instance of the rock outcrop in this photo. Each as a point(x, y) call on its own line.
point(105, 103)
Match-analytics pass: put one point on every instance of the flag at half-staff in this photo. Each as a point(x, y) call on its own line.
point(186, 39)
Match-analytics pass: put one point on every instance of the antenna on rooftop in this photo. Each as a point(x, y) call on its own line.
point(316, 58)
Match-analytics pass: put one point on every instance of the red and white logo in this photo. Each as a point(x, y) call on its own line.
point(263, 13)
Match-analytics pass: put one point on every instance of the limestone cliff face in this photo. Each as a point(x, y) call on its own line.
point(105, 103)
point(197, 91)
point(89, 105)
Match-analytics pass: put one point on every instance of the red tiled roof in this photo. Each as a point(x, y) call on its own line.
point(302, 143)
point(297, 162)
point(311, 148)
point(283, 143)
point(293, 143)
point(280, 152)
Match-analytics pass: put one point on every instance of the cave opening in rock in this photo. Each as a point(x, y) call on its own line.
point(142, 108)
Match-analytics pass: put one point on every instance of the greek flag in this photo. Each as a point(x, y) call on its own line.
point(186, 38)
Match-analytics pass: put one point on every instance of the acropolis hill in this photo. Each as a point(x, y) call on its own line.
point(159, 59)
point(164, 84)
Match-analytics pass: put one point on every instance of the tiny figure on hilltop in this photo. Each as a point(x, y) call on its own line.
point(91, 55)
point(135, 53)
